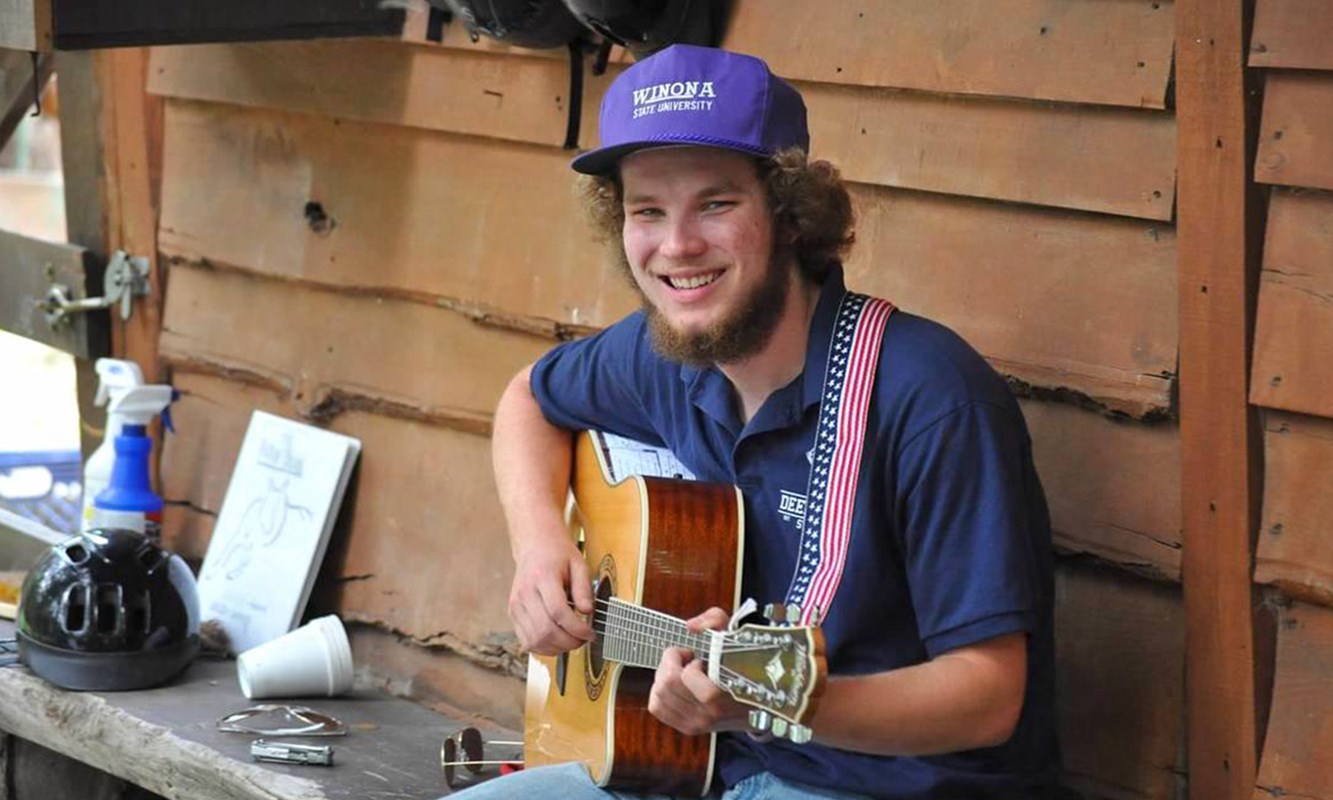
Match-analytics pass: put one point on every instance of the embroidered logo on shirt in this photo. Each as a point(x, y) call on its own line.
point(792, 507)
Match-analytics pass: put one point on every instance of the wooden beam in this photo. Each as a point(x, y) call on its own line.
point(22, 79)
point(28, 267)
point(25, 25)
point(133, 157)
point(1218, 267)
point(1293, 34)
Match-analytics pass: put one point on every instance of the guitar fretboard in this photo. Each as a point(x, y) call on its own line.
point(637, 636)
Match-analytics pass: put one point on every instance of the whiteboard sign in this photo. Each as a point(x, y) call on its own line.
point(273, 528)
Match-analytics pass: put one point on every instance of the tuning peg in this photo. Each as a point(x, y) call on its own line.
point(793, 613)
point(780, 726)
point(776, 612)
point(799, 734)
point(760, 720)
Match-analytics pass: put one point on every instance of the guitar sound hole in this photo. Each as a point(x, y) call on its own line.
point(596, 662)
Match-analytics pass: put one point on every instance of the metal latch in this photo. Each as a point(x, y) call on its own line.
point(126, 278)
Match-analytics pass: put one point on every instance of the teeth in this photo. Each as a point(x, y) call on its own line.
point(694, 282)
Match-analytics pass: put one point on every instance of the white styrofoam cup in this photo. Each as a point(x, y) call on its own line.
point(315, 659)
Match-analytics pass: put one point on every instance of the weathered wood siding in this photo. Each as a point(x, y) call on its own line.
point(1293, 378)
point(373, 235)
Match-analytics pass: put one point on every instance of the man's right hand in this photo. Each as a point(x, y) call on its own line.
point(546, 573)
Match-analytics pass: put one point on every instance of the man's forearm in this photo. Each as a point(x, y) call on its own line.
point(965, 699)
point(532, 464)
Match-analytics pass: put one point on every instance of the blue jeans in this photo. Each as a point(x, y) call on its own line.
point(571, 782)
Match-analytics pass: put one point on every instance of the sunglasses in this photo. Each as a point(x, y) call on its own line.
point(466, 749)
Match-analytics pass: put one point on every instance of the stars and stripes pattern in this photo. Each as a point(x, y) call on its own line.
point(835, 469)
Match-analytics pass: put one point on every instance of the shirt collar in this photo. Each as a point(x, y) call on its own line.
point(821, 331)
point(710, 390)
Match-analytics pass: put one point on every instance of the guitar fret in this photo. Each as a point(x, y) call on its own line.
point(637, 636)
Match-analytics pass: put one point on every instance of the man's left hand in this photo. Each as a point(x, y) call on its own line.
point(684, 697)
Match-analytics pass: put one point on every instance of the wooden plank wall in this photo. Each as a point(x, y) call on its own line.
point(373, 235)
point(1293, 381)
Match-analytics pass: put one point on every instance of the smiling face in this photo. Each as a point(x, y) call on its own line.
point(698, 239)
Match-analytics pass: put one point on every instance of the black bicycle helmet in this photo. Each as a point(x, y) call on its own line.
point(646, 26)
point(536, 24)
point(108, 610)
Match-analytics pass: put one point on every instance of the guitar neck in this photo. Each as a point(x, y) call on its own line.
point(637, 636)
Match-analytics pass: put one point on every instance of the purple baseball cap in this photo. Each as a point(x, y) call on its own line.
point(689, 95)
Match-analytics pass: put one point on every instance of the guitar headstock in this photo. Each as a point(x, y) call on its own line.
point(778, 670)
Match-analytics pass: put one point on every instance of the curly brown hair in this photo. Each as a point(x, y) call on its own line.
point(812, 212)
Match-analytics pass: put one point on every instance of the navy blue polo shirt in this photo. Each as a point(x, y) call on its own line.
point(950, 541)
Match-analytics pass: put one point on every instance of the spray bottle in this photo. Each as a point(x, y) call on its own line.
point(128, 500)
point(115, 378)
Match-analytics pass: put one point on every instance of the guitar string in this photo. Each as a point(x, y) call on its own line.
point(665, 628)
point(655, 629)
point(636, 636)
point(629, 658)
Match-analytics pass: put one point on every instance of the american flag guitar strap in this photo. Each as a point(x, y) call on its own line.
point(849, 379)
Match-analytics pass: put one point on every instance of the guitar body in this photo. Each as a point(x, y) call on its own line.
point(669, 545)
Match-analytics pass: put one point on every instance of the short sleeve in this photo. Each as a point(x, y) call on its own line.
point(968, 537)
point(599, 383)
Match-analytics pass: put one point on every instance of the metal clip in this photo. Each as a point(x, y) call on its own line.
point(286, 753)
point(126, 278)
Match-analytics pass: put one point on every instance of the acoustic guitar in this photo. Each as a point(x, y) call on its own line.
point(660, 550)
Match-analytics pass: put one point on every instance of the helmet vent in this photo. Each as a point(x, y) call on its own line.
point(150, 557)
point(109, 608)
point(76, 553)
point(76, 609)
point(137, 608)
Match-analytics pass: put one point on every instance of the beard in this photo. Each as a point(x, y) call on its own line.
point(740, 334)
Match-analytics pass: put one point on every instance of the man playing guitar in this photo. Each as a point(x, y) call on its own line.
point(889, 490)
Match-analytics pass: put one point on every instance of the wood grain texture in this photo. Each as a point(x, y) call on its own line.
point(313, 342)
point(103, 736)
point(1294, 552)
point(132, 123)
point(27, 269)
point(379, 80)
point(1220, 458)
point(690, 562)
point(1078, 302)
point(25, 25)
point(1293, 348)
point(406, 217)
point(1296, 135)
point(1120, 668)
point(40, 773)
point(1294, 34)
point(1300, 729)
point(422, 495)
point(453, 685)
point(1065, 156)
point(1112, 161)
point(492, 224)
point(1081, 51)
point(1113, 486)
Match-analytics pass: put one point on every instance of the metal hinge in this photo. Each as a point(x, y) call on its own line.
point(126, 278)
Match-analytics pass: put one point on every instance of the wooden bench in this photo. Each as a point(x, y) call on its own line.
point(165, 740)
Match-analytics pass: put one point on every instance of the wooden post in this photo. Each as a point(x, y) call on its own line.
point(1218, 225)
point(132, 126)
